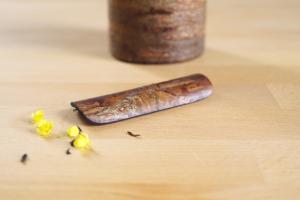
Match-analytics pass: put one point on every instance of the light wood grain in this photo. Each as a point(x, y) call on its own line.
point(241, 143)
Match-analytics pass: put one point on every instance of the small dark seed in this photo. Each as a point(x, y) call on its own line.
point(24, 158)
point(132, 134)
point(72, 143)
point(68, 152)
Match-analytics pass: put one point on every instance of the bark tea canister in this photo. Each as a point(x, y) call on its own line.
point(157, 31)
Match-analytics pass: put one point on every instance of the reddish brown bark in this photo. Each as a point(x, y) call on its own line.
point(157, 31)
point(144, 100)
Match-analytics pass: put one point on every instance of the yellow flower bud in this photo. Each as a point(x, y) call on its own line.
point(44, 128)
point(37, 116)
point(73, 131)
point(82, 141)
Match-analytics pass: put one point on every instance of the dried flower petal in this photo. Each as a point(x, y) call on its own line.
point(44, 128)
point(73, 131)
point(37, 116)
point(82, 141)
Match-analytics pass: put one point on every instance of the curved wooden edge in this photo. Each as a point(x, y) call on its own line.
point(80, 106)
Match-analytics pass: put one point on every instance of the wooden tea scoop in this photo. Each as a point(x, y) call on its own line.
point(144, 100)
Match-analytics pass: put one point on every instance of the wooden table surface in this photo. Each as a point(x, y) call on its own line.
point(241, 143)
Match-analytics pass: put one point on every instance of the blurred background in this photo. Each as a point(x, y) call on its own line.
point(265, 31)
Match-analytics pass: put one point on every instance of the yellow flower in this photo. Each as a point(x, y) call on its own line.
point(44, 128)
point(73, 131)
point(82, 141)
point(37, 116)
